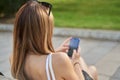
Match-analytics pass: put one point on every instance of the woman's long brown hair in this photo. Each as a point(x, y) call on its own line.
point(33, 30)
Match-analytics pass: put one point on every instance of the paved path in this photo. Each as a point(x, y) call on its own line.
point(103, 54)
point(84, 33)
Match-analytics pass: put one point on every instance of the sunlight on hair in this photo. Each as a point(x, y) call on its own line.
point(54, 1)
point(46, 0)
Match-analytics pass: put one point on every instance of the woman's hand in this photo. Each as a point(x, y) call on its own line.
point(76, 56)
point(77, 64)
point(64, 46)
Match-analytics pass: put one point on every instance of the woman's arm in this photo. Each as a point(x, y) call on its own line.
point(76, 63)
point(75, 58)
point(65, 69)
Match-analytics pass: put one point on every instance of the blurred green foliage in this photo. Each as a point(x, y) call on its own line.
point(93, 14)
point(9, 7)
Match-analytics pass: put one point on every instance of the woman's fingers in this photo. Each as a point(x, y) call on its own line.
point(66, 45)
point(67, 40)
point(62, 49)
point(79, 50)
point(76, 55)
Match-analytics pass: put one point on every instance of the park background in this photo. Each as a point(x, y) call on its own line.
point(86, 14)
point(95, 22)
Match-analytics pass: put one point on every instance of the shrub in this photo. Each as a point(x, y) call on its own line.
point(9, 7)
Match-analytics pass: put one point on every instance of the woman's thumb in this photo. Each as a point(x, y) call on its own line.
point(74, 53)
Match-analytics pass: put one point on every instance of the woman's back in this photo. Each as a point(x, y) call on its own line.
point(35, 66)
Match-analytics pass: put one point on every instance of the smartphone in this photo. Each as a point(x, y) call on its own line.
point(74, 43)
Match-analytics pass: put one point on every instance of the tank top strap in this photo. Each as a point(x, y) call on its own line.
point(49, 68)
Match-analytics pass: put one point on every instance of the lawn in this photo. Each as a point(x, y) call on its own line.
point(93, 14)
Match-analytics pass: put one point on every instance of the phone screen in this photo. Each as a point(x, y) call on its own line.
point(74, 43)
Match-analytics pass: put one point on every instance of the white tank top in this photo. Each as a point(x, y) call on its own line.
point(49, 68)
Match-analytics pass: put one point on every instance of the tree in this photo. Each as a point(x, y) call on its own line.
point(9, 7)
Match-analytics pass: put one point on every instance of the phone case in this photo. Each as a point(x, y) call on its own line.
point(74, 43)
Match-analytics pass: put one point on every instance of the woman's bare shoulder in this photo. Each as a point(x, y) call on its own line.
point(63, 66)
point(60, 56)
point(60, 59)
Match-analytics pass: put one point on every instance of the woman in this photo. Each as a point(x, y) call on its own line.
point(33, 51)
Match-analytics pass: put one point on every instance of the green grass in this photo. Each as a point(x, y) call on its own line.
point(93, 14)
